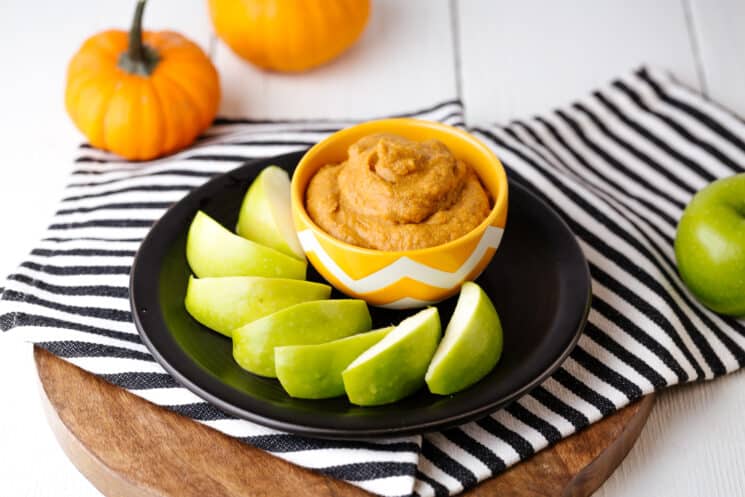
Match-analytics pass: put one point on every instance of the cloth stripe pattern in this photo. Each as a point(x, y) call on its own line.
point(619, 166)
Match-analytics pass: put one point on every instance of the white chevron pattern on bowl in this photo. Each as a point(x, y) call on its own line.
point(403, 267)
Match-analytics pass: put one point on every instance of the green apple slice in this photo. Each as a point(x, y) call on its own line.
point(472, 344)
point(224, 304)
point(265, 215)
point(302, 324)
point(394, 367)
point(314, 371)
point(213, 250)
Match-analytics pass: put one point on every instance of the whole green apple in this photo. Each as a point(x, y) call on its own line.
point(710, 246)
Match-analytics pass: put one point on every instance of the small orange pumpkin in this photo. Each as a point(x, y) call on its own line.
point(141, 95)
point(289, 35)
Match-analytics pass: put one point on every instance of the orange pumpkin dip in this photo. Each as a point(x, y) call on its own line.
point(396, 194)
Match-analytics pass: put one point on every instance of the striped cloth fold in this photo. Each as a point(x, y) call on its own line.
point(619, 165)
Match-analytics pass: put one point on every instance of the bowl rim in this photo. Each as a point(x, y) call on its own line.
point(500, 202)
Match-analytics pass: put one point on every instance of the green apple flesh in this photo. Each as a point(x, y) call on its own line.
point(472, 344)
point(314, 371)
point(212, 250)
point(302, 324)
point(710, 246)
point(394, 367)
point(224, 304)
point(265, 215)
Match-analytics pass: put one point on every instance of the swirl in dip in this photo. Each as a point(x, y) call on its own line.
point(396, 194)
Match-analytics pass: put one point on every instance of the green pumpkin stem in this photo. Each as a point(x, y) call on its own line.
point(139, 57)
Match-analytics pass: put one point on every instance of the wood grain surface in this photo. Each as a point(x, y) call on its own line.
point(128, 447)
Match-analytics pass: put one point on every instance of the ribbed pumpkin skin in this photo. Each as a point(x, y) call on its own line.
point(289, 35)
point(141, 117)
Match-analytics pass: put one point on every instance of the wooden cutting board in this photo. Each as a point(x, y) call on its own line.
point(128, 447)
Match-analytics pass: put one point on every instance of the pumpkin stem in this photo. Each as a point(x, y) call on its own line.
point(136, 51)
point(139, 57)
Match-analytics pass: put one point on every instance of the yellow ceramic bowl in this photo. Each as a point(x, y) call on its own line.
point(409, 278)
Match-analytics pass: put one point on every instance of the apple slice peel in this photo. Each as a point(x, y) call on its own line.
point(314, 371)
point(212, 251)
point(394, 367)
point(472, 344)
point(265, 216)
point(226, 303)
point(307, 323)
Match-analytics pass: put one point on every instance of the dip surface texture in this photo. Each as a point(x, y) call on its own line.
point(396, 194)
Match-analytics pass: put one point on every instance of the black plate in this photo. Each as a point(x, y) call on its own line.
point(539, 282)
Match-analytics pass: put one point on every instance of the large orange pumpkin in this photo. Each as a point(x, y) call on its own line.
point(141, 95)
point(289, 35)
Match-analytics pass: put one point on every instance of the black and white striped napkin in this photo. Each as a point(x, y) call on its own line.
point(619, 165)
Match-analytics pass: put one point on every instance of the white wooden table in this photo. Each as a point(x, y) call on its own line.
point(503, 59)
